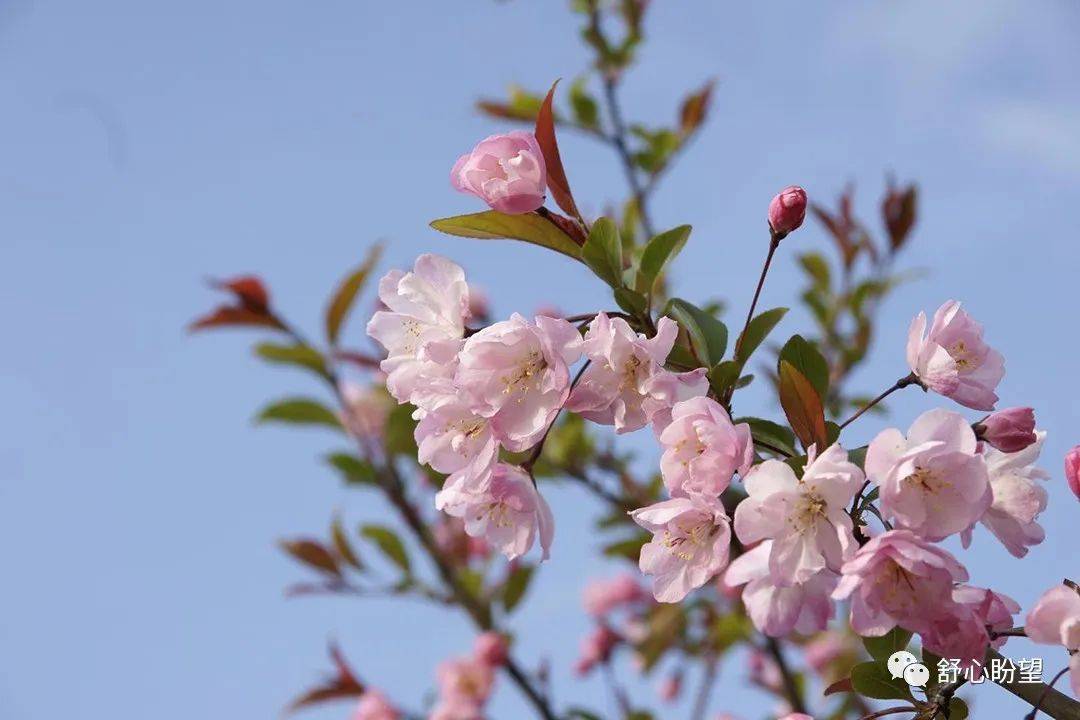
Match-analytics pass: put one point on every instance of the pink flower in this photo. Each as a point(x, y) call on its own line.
point(670, 687)
point(424, 306)
point(1010, 430)
point(491, 648)
point(367, 408)
point(1055, 620)
point(955, 631)
point(787, 211)
point(505, 171)
point(464, 688)
point(806, 518)
point(934, 481)
point(826, 651)
point(1018, 498)
point(778, 609)
point(626, 383)
point(517, 374)
point(603, 596)
point(993, 610)
point(897, 578)
point(508, 512)
point(797, 716)
point(451, 438)
point(690, 544)
point(1072, 470)
point(596, 648)
point(703, 449)
point(373, 705)
point(953, 359)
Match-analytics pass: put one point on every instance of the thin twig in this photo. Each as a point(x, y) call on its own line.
point(708, 680)
point(791, 687)
point(1035, 710)
point(900, 384)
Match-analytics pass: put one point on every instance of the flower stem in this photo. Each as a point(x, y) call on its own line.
point(900, 384)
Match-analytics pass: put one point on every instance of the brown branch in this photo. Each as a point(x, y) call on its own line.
point(1052, 702)
point(900, 384)
point(791, 687)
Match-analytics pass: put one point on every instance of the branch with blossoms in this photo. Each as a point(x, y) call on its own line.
point(755, 533)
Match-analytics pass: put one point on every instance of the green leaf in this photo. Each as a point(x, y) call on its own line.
point(628, 549)
point(491, 225)
point(806, 358)
point(871, 679)
point(880, 648)
point(708, 336)
point(354, 470)
point(299, 355)
point(345, 294)
point(660, 251)
point(958, 709)
point(389, 543)
point(586, 112)
point(603, 252)
point(756, 332)
point(816, 267)
point(772, 433)
point(514, 588)
point(299, 411)
point(632, 302)
point(399, 433)
point(576, 713)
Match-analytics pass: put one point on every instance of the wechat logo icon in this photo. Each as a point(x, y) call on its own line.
point(903, 664)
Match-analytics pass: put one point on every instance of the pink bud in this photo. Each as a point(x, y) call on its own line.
point(787, 211)
point(1010, 430)
point(1072, 470)
point(505, 171)
point(491, 649)
point(670, 687)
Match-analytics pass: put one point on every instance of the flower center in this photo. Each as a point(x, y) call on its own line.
point(926, 480)
point(526, 376)
point(961, 355)
point(810, 508)
point(684, 540)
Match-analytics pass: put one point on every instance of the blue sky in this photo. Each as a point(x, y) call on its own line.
point(146, 146)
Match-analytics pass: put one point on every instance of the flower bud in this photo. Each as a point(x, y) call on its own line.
point(505, 171)
point(787, 211)
point(491, 649)
point(671, 687)
point(1010, 430)
point(1072, 470)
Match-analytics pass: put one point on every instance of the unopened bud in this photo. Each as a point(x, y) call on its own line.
point(787, 211)
point(1010, 430)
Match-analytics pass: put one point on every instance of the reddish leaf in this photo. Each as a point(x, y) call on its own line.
point(228, 315)
point(248, 289)
point(898, 211)
point(840, 686)
point(356, 358)
point(802, 406)
point(549, 146)
point(568, 226)
point(343, 686)
point(312, 554)
point(694, 108)
point(848, 233)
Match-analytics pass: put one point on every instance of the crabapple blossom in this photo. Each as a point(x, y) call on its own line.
point(517, 374)
point(690, 544)
point(787, 211)
point(955, 631)
point(507, 510)
point(1010, 430)
point(451, 438)
point(491, 648)
point(1072, 470)
point(993, 610)
point(806, 518)
point(797, 716)
point(626, 384)
point(464, 688)
point(1018, 498)
point(952, 358)
point(505, 171)
point(898, 578)
point(426, 305)
point(603, 596)
point(778, 608)
point(826, 653)
point(366, 410)
point(373, 705)
point(703, 448)
point(1055, 620)
point(934, 481)
point(596, 648)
